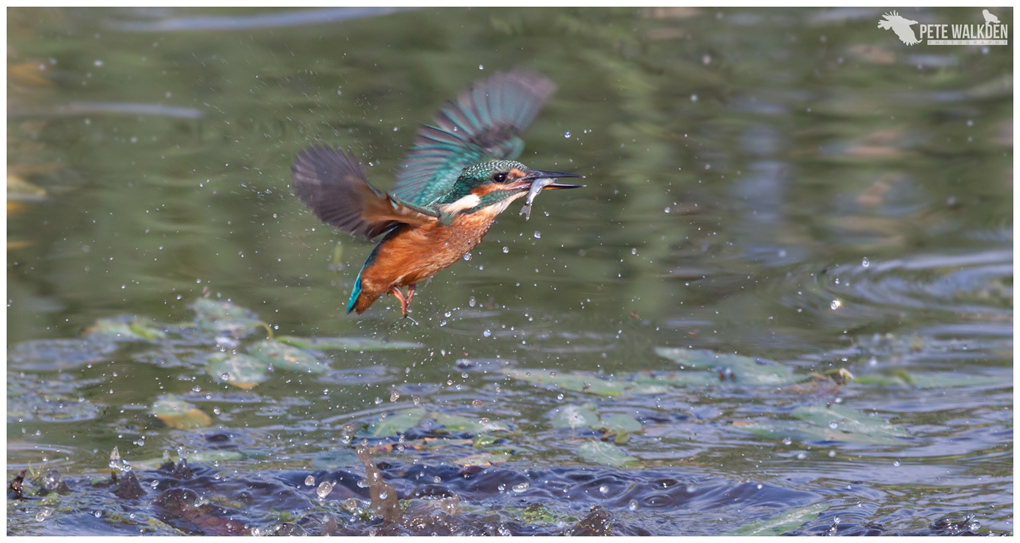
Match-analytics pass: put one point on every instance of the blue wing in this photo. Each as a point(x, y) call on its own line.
point(481, 125)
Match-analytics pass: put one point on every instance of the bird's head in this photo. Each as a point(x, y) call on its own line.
point(493, 184)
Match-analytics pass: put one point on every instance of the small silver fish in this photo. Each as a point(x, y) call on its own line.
point(536, 187)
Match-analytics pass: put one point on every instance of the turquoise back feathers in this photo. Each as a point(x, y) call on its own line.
point(481, 125)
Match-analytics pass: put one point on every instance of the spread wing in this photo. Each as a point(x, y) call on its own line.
point(482, 124)
point(333, 185)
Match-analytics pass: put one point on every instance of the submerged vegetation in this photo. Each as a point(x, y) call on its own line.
point(226, 345)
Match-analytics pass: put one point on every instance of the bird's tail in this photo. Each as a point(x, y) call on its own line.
point(360, 299)
point(353, 302)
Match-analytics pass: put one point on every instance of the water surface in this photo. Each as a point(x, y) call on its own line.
point(792, 186)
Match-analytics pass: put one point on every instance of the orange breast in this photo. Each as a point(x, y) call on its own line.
point(415, 254)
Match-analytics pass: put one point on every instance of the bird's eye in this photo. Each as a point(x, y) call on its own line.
point(499, 177)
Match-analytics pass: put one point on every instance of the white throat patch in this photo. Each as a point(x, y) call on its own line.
point(467, 202)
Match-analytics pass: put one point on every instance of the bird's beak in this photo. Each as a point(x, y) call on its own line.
point(534, 175)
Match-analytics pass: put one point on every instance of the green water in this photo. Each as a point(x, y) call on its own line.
point(790, 185)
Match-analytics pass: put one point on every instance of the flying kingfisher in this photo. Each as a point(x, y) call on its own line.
point(458, 177)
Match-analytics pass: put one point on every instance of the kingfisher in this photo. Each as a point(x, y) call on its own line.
point(459, 175)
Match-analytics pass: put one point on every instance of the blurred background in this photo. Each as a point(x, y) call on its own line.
point(791, 184)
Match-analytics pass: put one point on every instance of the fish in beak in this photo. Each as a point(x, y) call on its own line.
point(541, 180)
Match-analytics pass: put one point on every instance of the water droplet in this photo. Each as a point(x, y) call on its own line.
point(566, 134)
point(604, 489)
point(787, 441)
point(324, 489)
point(522, 486)
point(116, 463)
point(472, 301)
point(478, 404)
point(383, 495)
point(467, 255)
point(51, 480)
point(896, 463)
point(632, 505)
point(537, 234)
point(694, 97)
point(833, 425)
point(437, 479)
point(378, 400)
point(481, 67)
point(310, 480)
point(801, 455)
point(487, 333)
point(865, 262)
point(394, 396)
point(836, 304)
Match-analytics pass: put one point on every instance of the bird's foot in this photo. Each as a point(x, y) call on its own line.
point(410, 294)
point(403, 301)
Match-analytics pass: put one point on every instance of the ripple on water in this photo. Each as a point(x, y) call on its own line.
point(976, 284)
point(365, 375)
point(22, 455)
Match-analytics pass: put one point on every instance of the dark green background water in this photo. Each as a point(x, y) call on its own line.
point(747, 170)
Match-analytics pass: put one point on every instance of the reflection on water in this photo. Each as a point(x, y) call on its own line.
point(787, 185)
